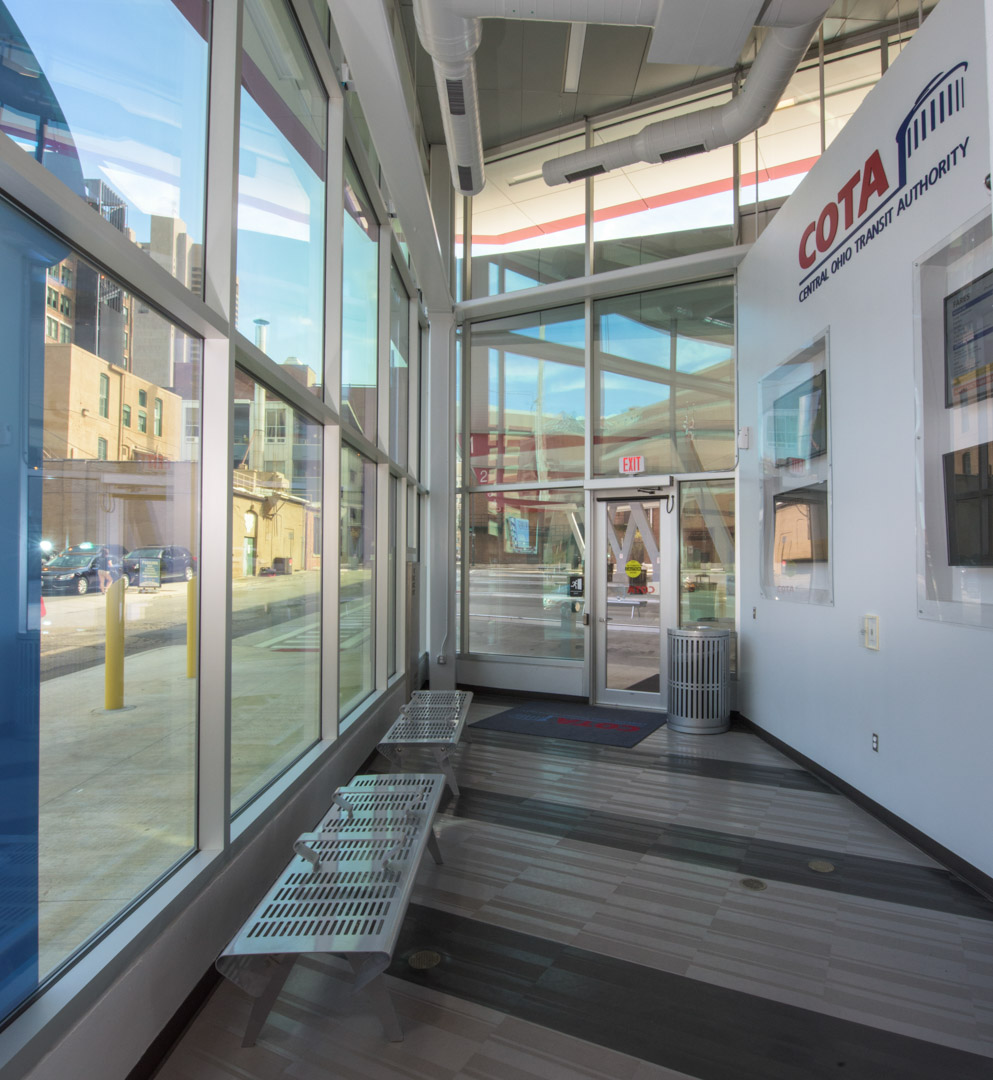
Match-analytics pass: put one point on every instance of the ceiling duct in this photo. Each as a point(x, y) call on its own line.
point(706, 32)
point(450, 31)
point(693, 133)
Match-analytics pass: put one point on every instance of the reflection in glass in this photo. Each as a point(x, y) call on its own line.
point(523, 232)
point(651, 211)
point(526, 553)
point(528, 387)
point(276, 461)
point(112, 99)
point(359, 307)
point(399, 373)
point(664, 368)
point(632, 646)
point(796, 468)
point(281, 173)
point(120, 528)
point(706, 555)
point(357, 615)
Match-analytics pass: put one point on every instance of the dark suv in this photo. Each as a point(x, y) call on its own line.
point(175, 563)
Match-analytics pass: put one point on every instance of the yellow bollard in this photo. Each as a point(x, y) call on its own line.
point(191, 628)
point(113, 694)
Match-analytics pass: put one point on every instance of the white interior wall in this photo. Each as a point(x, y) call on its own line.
point(804, 674)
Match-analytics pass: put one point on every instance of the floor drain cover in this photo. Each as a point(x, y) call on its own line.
point(822, 866)
point(753, 883)
point(424, 959)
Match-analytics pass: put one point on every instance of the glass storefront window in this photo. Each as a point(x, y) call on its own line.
point(99, 743)
point(112, 99)
point(357, 590)
point(525, 233)
point(282, 164)
point(647, 211)
point(399, 368)
point(277, 473)
point(359, 307)
point(706, 554)
point(663, 362)
point(527, 385)
point(526, 552)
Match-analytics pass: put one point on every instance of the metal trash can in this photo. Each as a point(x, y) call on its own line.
point(699, 673)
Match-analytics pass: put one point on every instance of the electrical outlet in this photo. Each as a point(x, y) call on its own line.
point(755, 613)
point(871, 623)
point(875, 742)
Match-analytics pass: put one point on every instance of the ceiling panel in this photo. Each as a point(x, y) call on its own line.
point(520, 66)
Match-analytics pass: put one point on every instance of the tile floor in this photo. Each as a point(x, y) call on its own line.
point(592, 921)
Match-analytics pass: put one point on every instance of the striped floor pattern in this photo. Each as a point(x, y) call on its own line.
point(646, 914)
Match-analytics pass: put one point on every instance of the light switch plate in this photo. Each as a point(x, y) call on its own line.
point(872, 632)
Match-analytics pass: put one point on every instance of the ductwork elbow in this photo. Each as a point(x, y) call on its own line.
point(451, 41)
point(708, 129)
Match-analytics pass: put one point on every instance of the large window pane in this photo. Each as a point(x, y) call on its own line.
point(646, 211)
point(706, 554)
point(399, 373)
point(526, 552)
point(664, 368)
point(525, 233)
point(528, 387)
point(359, 307)
point(357, 617)
point(281, 172)
point(114, 531)
point(277, 472)
point(112, 99)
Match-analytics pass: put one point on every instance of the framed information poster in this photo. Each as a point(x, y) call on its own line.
point(969, 342)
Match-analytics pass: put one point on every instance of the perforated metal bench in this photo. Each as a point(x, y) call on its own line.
point(433, 720)
point(345, 893)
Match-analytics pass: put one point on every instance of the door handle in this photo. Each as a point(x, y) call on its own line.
point(605, 619)
point(586, 618)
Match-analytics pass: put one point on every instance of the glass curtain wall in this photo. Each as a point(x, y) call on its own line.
point(528, 398)
point(112, 100)
point(646, 212)
point(357, 589)
point(359, 307)
point(663, 370)
point(102, 453)
point(522, 233)
point(277, 482)
point(281, 175)
point(526, 552)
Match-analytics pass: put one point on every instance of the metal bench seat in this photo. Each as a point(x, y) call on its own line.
point(345, 892)
point(434, 720)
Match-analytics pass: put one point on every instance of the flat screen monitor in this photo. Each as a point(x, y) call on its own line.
point(969, 342)
point(969, 505)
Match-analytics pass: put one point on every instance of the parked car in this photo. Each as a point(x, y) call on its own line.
point(175, 563)
point(115, 551)
point(75, 572)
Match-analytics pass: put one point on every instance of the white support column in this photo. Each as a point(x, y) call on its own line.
point(330, 580)
point(217, 423)
point(440, 536)
point(382, 578)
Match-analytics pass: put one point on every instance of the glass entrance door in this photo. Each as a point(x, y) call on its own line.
point(634, 601)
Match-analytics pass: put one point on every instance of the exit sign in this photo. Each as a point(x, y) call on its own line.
point(632, 465)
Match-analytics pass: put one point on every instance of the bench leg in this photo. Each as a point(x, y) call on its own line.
point(433, 846)
point(264, 1003)
point(443, 763)
point(379, 995)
